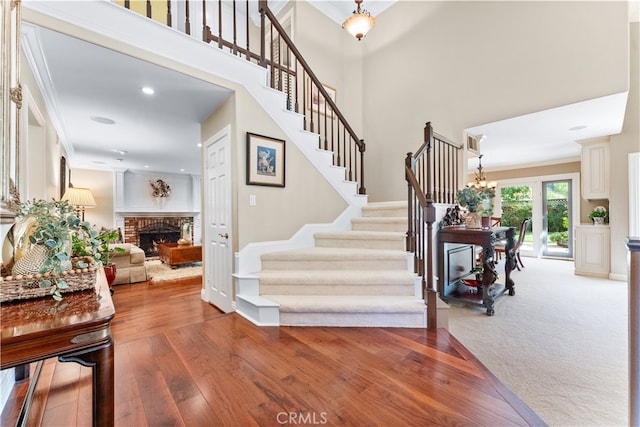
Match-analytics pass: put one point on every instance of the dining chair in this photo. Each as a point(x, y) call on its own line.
point(499, 249)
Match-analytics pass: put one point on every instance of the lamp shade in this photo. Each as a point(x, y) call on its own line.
point(359, 24)
point(80, 197)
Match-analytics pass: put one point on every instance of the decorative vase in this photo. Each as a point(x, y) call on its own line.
point(598, 220)
point(472, 220)
point(110, 273)
point(486, 222)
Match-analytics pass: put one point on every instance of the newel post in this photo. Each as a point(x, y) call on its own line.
point(410, 242)
point(633, 244)
point(361, 148)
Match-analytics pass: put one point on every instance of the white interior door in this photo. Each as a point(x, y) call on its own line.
point(217, 201)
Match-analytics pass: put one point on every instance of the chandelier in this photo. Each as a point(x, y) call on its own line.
point(359, 23)
point(481, 180)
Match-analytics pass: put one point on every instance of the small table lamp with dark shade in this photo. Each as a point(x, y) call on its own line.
point(81, 198)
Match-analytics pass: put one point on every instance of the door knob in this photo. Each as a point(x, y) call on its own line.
point(225, 235)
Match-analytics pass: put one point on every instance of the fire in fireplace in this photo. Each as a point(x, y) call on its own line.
point(154, 234)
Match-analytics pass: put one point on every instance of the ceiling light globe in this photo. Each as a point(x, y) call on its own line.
point(359, 24)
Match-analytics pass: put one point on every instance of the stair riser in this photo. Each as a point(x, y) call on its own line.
point(306, 289)
point(376, 264)
point(384, 213)
point(400, 227)
point(360, 244)
point(400, 320)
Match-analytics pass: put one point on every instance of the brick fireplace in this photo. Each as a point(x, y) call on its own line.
point(148, 231)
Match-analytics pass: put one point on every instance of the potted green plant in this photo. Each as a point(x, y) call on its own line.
point(473, 198)
point(105, 251)
point(599, 215)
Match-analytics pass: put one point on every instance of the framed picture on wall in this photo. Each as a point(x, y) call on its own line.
point(317, 101)
point(265, 160)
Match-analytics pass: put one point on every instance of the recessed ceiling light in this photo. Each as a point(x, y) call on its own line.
point(102, 120)
point(148, 90)
point(146, 166)
point(579, 127)
point(181, 170)
point(121, 152)
point(199, 145)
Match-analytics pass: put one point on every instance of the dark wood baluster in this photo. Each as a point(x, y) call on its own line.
point(127, 4)
point(304, 99)
point(247, 24)
point(361, 148)
point(311, 104)
point(272, 73)
point(350, 159)
point(219, 23)
point(338, 158)
point(344, 149)
point(263, 41)
point(326, 141)
point(206, 31)
point(149, 9)
point(289, 79)
point(187, 24)
point(280, 88)
point(333, 148)
point(168, 13)
point(294, 66)
point(235, 28)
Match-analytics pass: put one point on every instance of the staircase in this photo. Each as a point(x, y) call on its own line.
point(359, 277)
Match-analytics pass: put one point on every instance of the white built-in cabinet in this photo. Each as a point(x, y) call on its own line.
point(595, 168)
point(593, 246)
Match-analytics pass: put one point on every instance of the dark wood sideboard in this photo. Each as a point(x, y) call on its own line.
point(457, 259)
point(76, 329)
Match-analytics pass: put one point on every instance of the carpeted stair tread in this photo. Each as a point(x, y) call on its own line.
point(335, 277)
point(337, 254)
point(361, 235)
point(348, 304)
point(385, 209)
point(378, 223)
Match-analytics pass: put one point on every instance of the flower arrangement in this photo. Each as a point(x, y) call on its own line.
point(160, 188)
point(599, 212)
point(43, 253)
point(471, 197)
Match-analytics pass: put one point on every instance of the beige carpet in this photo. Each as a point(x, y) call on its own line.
point(560, 343)
point(159, 272)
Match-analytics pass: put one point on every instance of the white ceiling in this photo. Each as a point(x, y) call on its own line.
point(156, 132)
point(160, 132)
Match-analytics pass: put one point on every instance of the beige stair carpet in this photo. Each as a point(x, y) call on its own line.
point(352, 278)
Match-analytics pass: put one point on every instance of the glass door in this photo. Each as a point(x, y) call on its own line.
point(516, 202)
point(557, 224)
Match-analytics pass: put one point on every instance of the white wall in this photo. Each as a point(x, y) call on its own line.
point(462, 64)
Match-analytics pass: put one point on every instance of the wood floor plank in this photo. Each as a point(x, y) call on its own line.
point(181, 362)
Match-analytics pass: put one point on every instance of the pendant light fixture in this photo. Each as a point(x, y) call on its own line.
point(481, 180)
point(359, 23)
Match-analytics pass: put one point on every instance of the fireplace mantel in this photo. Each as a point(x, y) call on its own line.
point(159, 212)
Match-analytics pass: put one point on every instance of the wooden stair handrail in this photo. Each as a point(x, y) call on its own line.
point(264, 10)
point(341, 139)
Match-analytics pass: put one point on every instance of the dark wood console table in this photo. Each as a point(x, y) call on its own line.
point(462, 252)
point(77, 329)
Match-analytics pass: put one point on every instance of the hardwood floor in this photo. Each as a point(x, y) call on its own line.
point(181, 362)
